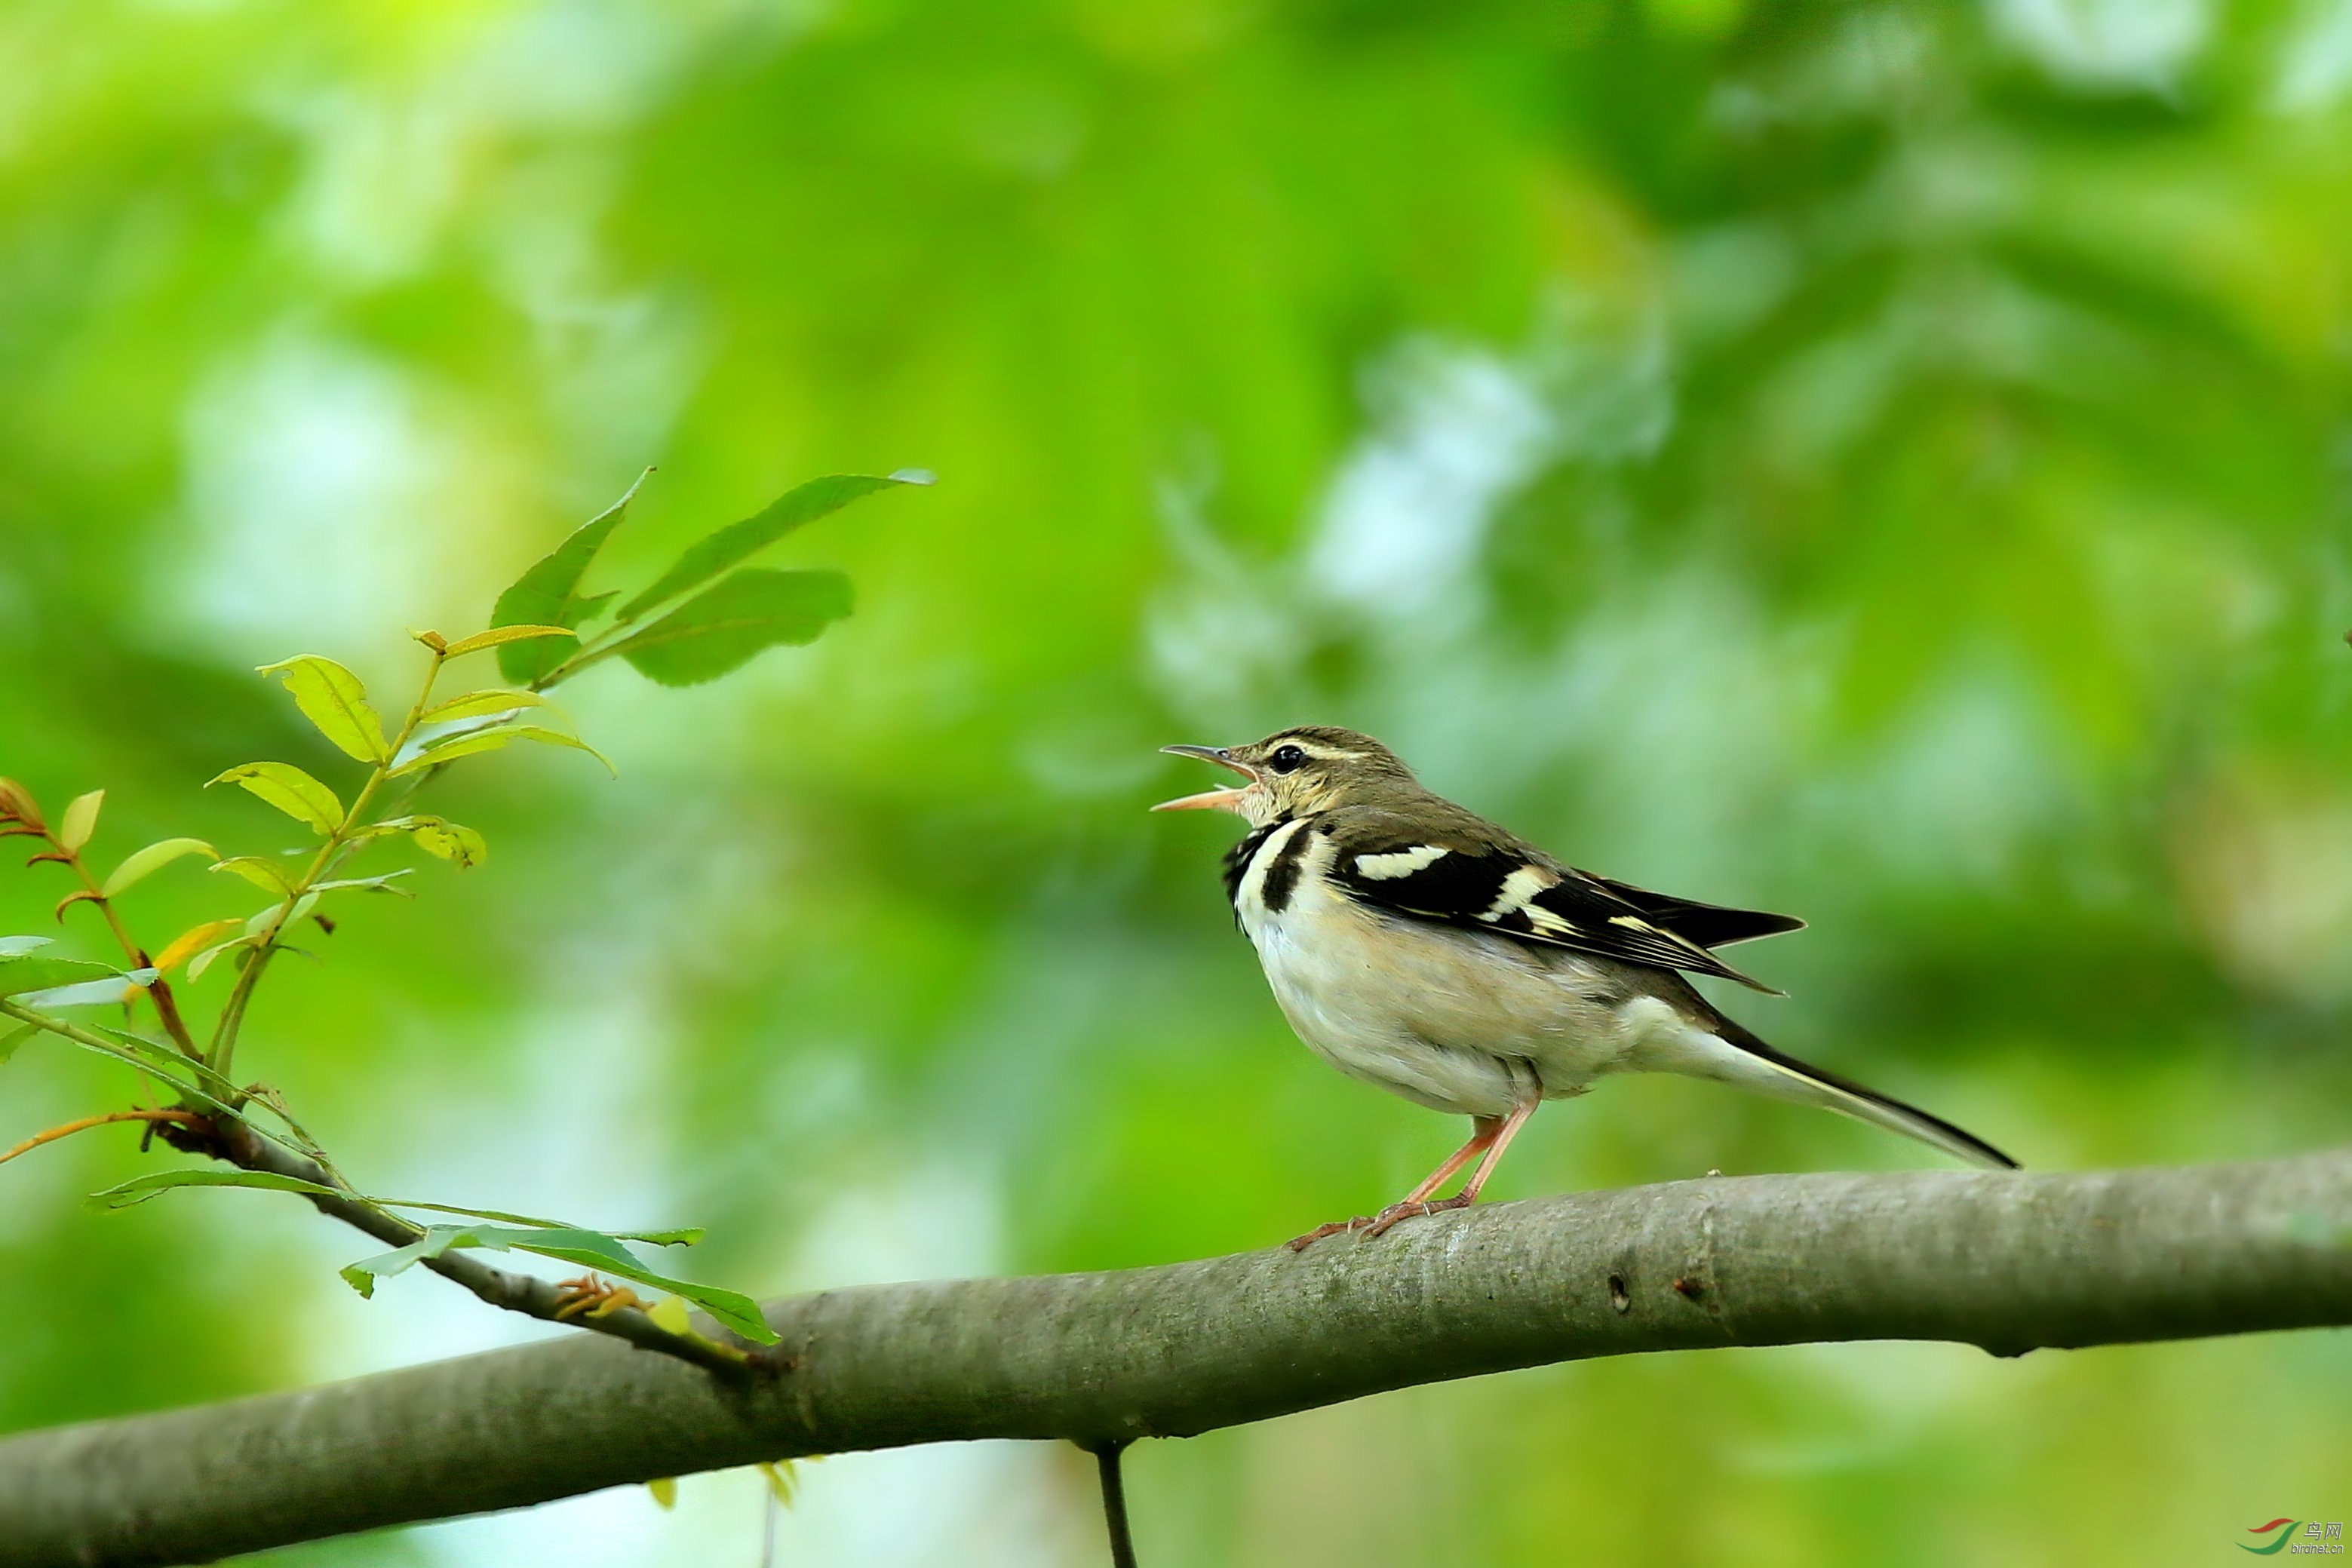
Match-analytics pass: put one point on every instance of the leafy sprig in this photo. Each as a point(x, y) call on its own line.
point(708, 613)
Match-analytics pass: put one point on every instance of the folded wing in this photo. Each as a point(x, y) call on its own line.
point(1503, 888)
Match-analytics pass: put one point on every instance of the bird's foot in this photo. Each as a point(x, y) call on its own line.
point(1395, 1212)
point(1301, 1243)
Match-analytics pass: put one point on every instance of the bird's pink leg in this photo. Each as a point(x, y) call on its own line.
point(1420, 1203)
point(1486, 1129)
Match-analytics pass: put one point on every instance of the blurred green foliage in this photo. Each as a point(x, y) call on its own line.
point(1886, 462)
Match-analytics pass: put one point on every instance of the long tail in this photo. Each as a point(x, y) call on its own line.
point(1758, 1066)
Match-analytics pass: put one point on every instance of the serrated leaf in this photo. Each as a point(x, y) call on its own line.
point(139, 863)
point(80, 821)
point(683, 1236)
point(27, 976)
point(499, 636)
point(437, 836)
point(289, 789)
point(722, 629)
point(203, 960)
point(549, 593)
point(16, 801)
point(265, 874)
point(587, 607)
point(480, 704)
point(794, 508)
point(111, 988)
point(262, 920)
point(591, 1249)
point(17, 947)
point(474, 742)
point(382, 883)
point(139, 1189)
point(334, 701)
point(194, 940)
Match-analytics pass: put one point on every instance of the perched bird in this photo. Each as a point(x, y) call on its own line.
point(1419, 946)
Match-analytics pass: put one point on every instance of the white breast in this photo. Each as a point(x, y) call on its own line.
point(1455, 1021)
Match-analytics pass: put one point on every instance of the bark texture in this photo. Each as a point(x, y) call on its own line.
point(2010, 1261)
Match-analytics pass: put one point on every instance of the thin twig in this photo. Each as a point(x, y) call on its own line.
point(159, 990)
point(238, 1143)
point(186, 1118)
point(222, 1049)
point(1113, 1500)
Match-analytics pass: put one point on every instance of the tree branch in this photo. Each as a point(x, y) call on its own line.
point(2008, 1260)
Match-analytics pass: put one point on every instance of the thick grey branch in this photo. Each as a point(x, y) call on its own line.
point(2008, 1260)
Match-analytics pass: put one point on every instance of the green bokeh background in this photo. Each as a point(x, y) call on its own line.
point(1888, 461)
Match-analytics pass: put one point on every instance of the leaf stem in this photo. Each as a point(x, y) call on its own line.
point(185, 1118)
point(167, 1006)
point(223, 1047)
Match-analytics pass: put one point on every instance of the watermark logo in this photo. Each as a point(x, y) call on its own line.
point(2298, 1536)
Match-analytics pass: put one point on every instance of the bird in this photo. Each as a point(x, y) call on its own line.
point(1415, 946)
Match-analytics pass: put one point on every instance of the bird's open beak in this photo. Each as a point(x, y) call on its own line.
point(1209, 800)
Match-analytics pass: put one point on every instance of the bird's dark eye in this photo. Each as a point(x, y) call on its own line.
point(1287, 759)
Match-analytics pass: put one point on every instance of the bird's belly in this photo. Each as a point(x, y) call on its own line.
point(1450, 1020)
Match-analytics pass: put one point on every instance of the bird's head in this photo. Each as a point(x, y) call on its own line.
point(1295, 773)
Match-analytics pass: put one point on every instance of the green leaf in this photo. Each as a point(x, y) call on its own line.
point(265, 874)
point(479, 705)
point(141, 863)
point(289, 789)
point(437, 836)
point(22, 976)
point(590, 1249)
point(17, 947)
point(14, 1038)
point(586, 608)
point(549, 593)
point(278, 916)
point(499, 636)
point(686, 1236)
point(363, 1275)
point(732, 1308)
point(738, 541)
point(474, 742)
point(332, 698)
point(383, 884)
point(183, 1074)
point(139, 1189)
point(112, 989)
point(190, 1077)
point(203, 960)
point(720, 629)
point(80, 821)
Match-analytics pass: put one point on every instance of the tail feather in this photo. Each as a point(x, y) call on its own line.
point(1778, 1073)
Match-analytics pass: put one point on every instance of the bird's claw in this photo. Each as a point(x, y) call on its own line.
point(1396, 1212)
point(1371, 1226)
point(1337, 1226)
